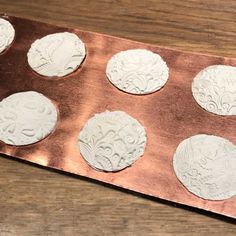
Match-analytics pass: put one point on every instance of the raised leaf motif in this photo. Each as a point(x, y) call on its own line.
point(137, 71)
point(111, 141)
point(31, 120)
point(56, 54)
point(214, 89)
point(206, 166)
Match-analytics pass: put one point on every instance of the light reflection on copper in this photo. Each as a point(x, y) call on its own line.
point(40, 158)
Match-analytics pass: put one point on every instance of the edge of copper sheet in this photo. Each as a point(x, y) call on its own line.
point(87, 91)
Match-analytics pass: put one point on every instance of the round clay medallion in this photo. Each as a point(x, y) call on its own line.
point(111, 141)
point(137, 71)
point(7, 34)
point(56, 54)
point(206, 166)
point(214, 89)
point(26, 118)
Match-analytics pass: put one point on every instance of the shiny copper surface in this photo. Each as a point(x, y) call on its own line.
point(169, 115)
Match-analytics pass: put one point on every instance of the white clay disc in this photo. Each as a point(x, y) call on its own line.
point(137, 71)
point(56, 54)
point(206, 166)
point(7, 34)
point(111, 141)
point(214, 89)
point(26, 118)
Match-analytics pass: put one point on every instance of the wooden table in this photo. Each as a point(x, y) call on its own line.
point(35, 201)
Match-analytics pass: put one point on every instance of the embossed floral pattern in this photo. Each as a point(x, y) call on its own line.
point(214, 89)
point(111, 141)
point(137, 71)
point(206, 166)
point(26, 118)
point(7, 34)
point(56, 54)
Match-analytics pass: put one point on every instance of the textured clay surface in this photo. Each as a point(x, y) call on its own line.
point(26, 118)
point(7, 34)
point(206, 165)
point(56, 54)
point(214, 89)
point(111, 141)
point(137, 71)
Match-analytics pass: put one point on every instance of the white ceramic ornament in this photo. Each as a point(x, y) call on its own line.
point(137, 71)
point(111, 141)
point(56, 54)
point(26, 118)
point(7, 34)
point(206, 166)
point(214, 89)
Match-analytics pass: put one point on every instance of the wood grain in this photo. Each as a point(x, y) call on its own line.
point(35, 201)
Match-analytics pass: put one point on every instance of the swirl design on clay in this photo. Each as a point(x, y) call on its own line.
point(26, 118)
point(137, 71)
point(7, 34)
point(206, 166)
point(214, 89)
point(56, 54)
point(111, 141)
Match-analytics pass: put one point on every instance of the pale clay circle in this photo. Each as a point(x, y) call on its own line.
point(137, 71)
point(56, 54)
point(206, 166)
point(26, 118)
point(214, 89)
point(112, 141)
point(7, 34)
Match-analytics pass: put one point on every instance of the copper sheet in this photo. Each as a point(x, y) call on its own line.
point(169, 115)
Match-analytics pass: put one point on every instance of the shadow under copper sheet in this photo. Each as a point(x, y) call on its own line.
point(169, 115)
